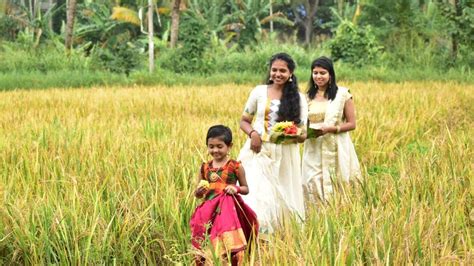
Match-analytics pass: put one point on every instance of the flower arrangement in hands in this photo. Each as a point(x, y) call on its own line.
point(285, 132)
point(204, 184)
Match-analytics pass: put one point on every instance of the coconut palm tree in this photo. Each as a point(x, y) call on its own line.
point(134, 17)
point(31, 17)
point(174, 23)
point(70, 18)
point(251, 15)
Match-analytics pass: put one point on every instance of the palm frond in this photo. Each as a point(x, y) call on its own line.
point(124, 14)
point(163, 10)
point(3, 7)
point(277, 17)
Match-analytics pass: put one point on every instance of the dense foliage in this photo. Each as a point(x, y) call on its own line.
point(224, 37)
point(356, 45)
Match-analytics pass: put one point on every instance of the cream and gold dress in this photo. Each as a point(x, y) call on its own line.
point(329, 157)
point(274, 174)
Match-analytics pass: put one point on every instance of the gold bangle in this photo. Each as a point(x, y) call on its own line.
point(338, 129)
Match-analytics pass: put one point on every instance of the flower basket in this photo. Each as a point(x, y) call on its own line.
point(284, 133)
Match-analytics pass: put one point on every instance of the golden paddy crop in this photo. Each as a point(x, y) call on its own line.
point(106, 175)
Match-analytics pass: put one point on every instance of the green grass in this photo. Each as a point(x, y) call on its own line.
point(47, 66)
point(59, 79)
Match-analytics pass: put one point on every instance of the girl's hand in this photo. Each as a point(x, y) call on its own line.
point(231, 189)
point(255, 142)
point(200, 192)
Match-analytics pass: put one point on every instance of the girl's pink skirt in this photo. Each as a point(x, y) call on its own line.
point(226, 221)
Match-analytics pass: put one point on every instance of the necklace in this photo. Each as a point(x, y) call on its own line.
point(214, 175)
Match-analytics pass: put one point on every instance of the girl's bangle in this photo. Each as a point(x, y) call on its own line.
point(250, 133)
point(338, 129)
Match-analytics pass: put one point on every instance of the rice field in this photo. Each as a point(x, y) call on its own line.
point(106, 176)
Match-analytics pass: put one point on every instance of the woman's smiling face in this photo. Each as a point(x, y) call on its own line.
point(279, 72)
point(321, 77)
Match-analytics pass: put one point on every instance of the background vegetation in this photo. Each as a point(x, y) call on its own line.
point(231, 41)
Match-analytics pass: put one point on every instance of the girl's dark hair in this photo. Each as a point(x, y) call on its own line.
point(220, 131)
point(331, 91)
point(290, 100)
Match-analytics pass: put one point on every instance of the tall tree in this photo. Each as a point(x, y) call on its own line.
point(151, 45)
point(305, 17)
point(175, 23)
point(455, 35)
point(71, 16)
point(459, 15)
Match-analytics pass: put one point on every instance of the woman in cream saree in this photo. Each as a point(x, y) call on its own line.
point(328, 153)
point(274, 169)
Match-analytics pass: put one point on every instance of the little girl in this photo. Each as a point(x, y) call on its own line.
point(223, 216)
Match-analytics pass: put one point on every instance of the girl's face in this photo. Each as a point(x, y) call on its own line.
point(279, 72)
point(321, 77)
point(217, 148)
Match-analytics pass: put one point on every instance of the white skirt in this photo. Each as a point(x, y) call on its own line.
point(275, 183)
point(317, 177)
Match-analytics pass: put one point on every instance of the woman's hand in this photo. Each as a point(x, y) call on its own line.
point(301, 138)
point(325, 129)
point(255, 142)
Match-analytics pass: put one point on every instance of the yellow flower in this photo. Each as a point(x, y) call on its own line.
point(203, 183)
point(280, 126)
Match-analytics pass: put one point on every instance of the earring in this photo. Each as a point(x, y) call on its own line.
point(290, 79)
point(270, 80)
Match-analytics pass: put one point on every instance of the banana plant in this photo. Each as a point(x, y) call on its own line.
point(137, 18)
point(251, 15)
point(29, 16)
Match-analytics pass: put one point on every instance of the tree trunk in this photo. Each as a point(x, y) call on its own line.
point(340, 7)
point(175, 23)
point(311, 6)
point(70, 17)
point(308, 30)
point(271, 14)
point(151, 46)
point(455, 36)
point(50, 22)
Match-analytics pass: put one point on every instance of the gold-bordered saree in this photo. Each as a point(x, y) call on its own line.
point(331, 156)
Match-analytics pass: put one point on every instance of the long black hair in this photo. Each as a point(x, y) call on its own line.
point(290, 99)
point(331, 91)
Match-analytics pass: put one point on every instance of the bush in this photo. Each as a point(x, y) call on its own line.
point(192, 55)
point(9, 28)
point(121, 58)
point(355, 45)
point(255, 59)
point(48, 57)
